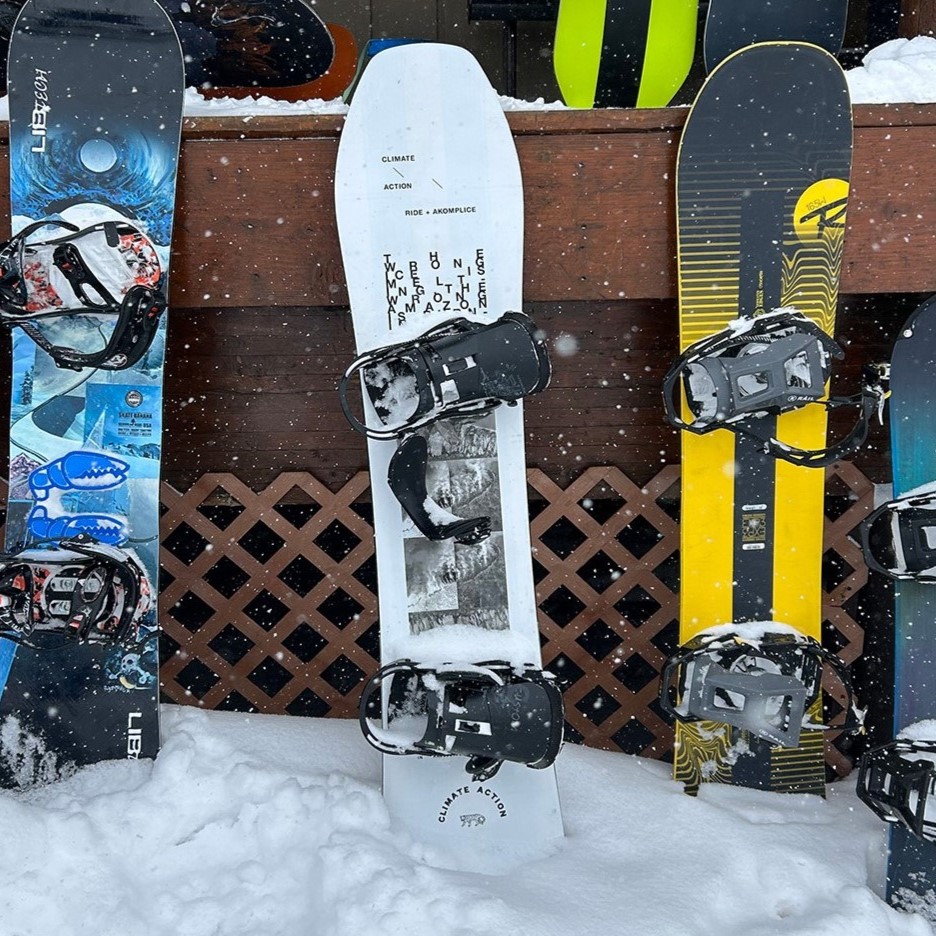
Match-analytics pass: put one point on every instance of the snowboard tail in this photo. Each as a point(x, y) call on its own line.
point(251, 43)
point(610, 53)
point(731, 25)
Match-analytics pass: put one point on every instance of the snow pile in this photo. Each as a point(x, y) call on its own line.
point(197, 105)
point(899, 70)
point(261, 824)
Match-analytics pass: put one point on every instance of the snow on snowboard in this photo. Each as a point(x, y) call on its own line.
point(95, 120)
point(430, 216)
point(762, 184)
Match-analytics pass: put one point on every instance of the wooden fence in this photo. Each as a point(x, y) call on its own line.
point(269, 597)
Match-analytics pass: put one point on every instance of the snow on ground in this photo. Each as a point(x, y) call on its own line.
point(249, 825)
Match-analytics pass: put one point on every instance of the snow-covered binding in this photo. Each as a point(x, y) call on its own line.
point(460, 368)
point(762, 678)
point(110, 267)
point(899, 538)
point(79, 589)
point(898, 782)
point(766, 366)
point(489, 713)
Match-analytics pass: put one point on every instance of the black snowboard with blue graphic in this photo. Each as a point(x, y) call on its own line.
point(95, 120)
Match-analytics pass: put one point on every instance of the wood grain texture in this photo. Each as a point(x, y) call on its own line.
point(254, 391)
point(259, 333)
point(255, 224)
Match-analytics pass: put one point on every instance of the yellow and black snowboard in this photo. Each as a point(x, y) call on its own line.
point(761, 186)
point(623, 53)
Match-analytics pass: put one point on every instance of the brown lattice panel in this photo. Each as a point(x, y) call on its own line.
point(269, 598)
point(269, 601)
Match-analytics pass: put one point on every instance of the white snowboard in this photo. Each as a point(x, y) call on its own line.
point(430, 214)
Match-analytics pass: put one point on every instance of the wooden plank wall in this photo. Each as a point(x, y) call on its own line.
point(447, 21)
point(918, 18)
point(259, 331)
point(599, 199)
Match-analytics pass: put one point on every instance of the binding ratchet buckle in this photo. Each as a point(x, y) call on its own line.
point(899, 538)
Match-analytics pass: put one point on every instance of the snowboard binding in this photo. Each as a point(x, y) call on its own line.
point(898, 781)
point(461, 368)
point(766, 366)
point(82, 590)
point(110, 268)
point(899, 538)
point(757, 679)
point(488, 713)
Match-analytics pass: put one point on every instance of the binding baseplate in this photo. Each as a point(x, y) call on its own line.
point(489, 713)
point(81, 590)
point(761, 677)
point(898, 781)
point(110, 267)
point(765, 366)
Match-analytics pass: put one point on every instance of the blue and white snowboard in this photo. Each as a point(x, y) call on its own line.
point(95, 121)
point(429, 202)
point(911, 862)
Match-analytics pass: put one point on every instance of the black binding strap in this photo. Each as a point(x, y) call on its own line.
point(137, 320)
point(110, 568)
point(488, 713)
point(899, 538)
point(13, 295)
point(724, 651)
point(458, 368)
point(406, 477)
point(870, 401)
point(896, 780)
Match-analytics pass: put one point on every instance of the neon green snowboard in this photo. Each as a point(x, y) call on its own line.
point(623, 53)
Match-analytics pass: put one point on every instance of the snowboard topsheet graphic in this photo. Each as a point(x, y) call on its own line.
point(896, 779)
point(430, 213)
point(612, 53)
point(731, 25)
point(761, 185)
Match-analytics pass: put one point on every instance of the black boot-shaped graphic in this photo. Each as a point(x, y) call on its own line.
point(407, 480)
